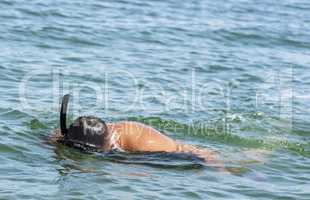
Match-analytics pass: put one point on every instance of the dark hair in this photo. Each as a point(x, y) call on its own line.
point(88, 133)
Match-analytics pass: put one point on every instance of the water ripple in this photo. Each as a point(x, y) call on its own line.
point(243, 57)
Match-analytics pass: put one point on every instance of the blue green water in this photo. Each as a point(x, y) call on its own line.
point(232, 76)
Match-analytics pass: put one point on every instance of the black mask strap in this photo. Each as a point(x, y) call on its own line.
point(63, 114)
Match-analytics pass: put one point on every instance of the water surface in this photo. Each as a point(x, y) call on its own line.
point(232, 76)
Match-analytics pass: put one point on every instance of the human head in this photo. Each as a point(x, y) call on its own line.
point(89, 133)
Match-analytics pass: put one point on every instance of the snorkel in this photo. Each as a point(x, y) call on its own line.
point(63, 115)
point(86, 132)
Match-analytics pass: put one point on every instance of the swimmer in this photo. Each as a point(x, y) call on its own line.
point(92, 133)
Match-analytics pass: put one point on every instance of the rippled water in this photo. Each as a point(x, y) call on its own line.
point(232, 76)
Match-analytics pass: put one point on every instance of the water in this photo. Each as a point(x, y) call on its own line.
point(232, 76)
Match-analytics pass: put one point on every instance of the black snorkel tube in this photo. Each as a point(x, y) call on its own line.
point(63, 115)
point(86, 132)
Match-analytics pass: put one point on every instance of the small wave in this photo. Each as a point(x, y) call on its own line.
point(259, 38)
point(74, 59)
point(42, 13)
point(292, 42)
point(47, 46)
point(299, 6)
point(9, 3)
point(76, 40)
point(240, 36)
point(250, 78)
point(13, 114)
point(9, 149)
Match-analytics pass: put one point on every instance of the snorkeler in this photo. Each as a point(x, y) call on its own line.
point(93, 134)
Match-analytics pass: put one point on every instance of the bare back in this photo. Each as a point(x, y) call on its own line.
point(136, 136)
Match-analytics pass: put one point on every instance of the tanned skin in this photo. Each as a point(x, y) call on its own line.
point(138, 137)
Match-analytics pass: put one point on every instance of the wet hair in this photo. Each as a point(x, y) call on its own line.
point(88, 133)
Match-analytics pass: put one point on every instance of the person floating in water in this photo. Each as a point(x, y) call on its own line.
point(92, 133)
